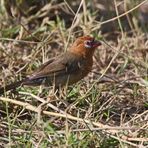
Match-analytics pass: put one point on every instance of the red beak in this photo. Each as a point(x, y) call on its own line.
point(96, 43)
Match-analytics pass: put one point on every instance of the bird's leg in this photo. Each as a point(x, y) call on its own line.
point(52, 95)
point(43, 106)
point(63, 90)
point(59, 94)
point(63, 95)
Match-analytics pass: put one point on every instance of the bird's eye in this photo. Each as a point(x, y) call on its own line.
point(88, 44)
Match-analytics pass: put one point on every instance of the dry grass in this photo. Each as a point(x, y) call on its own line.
point(106, 109)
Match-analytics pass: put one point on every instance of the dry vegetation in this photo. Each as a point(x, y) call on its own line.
point(106, 109)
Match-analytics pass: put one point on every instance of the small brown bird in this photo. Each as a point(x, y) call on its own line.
point(65, 69)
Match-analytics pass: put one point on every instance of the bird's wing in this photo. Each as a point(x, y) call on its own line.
point(44, 65)
point(64, 64)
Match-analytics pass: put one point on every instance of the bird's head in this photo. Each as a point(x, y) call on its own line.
point(85, 45)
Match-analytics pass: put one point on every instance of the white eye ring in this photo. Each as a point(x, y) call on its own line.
point(88, 44)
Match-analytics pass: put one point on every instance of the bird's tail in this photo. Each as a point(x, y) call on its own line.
point(10, 86)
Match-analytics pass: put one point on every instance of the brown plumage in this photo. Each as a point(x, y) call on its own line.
point(65, 69)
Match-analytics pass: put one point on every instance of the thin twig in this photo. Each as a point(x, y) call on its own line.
point(35, 109)
point(119, 16)
point(43, 101)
